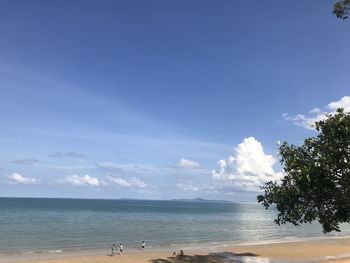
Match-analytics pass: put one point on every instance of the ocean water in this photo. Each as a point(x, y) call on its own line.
point(34, 225)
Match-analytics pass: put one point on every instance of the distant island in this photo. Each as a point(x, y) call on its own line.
point(197, 200)
point(201, 200)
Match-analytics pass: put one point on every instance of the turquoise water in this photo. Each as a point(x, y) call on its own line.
point(44, 225)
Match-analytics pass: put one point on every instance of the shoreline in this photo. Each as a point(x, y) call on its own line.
point(175, 246)
point(315, 250)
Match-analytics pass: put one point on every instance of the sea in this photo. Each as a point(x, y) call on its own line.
point(49, 225)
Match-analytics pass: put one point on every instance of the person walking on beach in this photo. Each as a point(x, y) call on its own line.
point(143, 245)
point(121, 249)
point(113, 248)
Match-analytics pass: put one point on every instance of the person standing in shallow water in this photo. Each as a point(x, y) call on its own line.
point(121, 248)
point(143, 245)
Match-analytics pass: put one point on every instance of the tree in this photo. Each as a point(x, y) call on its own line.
point(316, 182)
point(341, 9)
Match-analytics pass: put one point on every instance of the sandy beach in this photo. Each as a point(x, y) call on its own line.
point(335, 249)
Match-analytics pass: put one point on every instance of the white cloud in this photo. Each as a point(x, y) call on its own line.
point(132, 182)
point(187, 187)
point(316, 114)
point(248, 169)
point(77, 180)
point(185, 163)
point(119, 181)
point(344, 102)
point(16, 178)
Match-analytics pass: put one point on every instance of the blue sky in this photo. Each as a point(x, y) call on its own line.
point(142, 99)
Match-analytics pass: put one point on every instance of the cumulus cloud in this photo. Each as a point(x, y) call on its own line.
point(248, 168)
point(316, 114)
point(16, 178)
point(133, 182)
point(77, 180)
point(185, 163)
point(344, 102)
point(67, 154)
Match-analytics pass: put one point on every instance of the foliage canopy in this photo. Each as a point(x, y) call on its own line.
point(316, 182)
point(341, 9)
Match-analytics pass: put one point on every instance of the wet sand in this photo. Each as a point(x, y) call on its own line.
point(335, 249)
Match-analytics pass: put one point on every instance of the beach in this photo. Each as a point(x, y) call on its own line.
point(322, 250)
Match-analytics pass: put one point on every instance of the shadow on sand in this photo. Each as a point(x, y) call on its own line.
point(212, 258)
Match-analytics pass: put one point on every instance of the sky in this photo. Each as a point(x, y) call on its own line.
point(162, 99)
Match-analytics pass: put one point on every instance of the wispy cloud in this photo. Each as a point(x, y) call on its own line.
point(308, 120)
point(196, 187)
point(67, 155)
point(114, 168)
point(110, 167)
point(26, 161)
point(17, 178)
point(187, 187)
